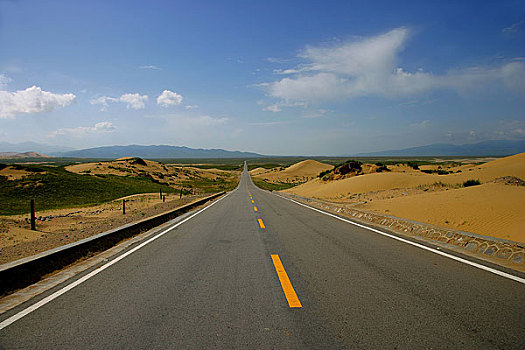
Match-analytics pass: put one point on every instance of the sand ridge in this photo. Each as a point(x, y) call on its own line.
point(494, 208)
point(134, 167)
point(301, 171)
point(12, 173)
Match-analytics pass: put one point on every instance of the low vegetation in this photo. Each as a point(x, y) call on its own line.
point(471, 182)
point(54, 187)
point(271, 186)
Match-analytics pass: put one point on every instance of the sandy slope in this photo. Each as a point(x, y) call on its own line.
point(494, 209)
point(128, 166)
point(15, 174)
point(508, 166)
point(307, 169)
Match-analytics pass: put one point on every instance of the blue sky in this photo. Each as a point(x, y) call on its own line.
point(274, 77)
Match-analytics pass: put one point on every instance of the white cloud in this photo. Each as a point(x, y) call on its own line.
point(421, 125)
point(169, 98)
point(31, 100)
point(4, 80)
point(101, 127)
point(513, 28)
point(103, 100)
point(370, 67)
point(188, 107)
point(273, 108)
point(277, 107)
point(135, 101)
point(153, 67)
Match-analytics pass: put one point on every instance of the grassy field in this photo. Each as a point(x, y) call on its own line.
point(272, 186)
point(53, 187)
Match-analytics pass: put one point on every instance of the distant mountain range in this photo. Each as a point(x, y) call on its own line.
point(159, 151)
point(16, 155)
point(154, 151)
point(485, 148)
point(33, 147)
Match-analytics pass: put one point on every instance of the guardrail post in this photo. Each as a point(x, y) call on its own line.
point(160, 193)
point(33, 220)
point(181, 192)
point(163, 199)
point(123, 206)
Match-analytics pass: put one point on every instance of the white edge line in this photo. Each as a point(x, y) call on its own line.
point(435, 251)
point(81, 280)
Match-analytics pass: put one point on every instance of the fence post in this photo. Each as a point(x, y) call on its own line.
point(33, 220)
point(123, 206)
point(181, 192)
point(160, 193)
point(163, 199)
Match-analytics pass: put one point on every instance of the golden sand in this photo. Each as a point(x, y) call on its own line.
point(493, 208)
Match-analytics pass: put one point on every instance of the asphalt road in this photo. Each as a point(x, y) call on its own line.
point(211, 283)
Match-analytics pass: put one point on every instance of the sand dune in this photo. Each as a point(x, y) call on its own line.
point(11, 173)
point(496, 210)
point(129, 166)
point(508, 166)
point(493, 208)
point(307, 169)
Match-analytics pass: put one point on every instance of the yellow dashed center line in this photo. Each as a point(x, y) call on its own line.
point(289, 292)
point(253, 201)
point(255, 208)
point(261, 223)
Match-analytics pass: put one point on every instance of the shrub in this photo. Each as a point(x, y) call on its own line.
point(413, 165)
point(350, 166)
point(139, 161)
point(323, 173)
point(471, 182)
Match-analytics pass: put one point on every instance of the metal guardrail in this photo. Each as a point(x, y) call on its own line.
point(24, 272)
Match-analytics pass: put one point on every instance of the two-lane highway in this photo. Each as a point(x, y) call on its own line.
point(256, 271)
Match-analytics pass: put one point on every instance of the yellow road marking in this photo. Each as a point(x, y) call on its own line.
point(253, 201)
point(289, 292)
point(255, 208)
point(261, 223)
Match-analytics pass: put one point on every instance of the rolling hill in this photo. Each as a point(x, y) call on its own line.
point(156, 151)
point(485, 148)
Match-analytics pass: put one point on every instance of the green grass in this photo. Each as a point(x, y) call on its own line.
point(227, 167)
point(58, 188)
point(208, 186)
point(272, 186)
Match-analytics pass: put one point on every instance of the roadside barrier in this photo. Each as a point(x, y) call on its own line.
point(24, 272)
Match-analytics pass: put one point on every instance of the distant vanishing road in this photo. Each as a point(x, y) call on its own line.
point(256, 271)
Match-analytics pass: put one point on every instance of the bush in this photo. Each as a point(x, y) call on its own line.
point(413, 165)
point(471, 182)
point(323, 173)
point(350, 166)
